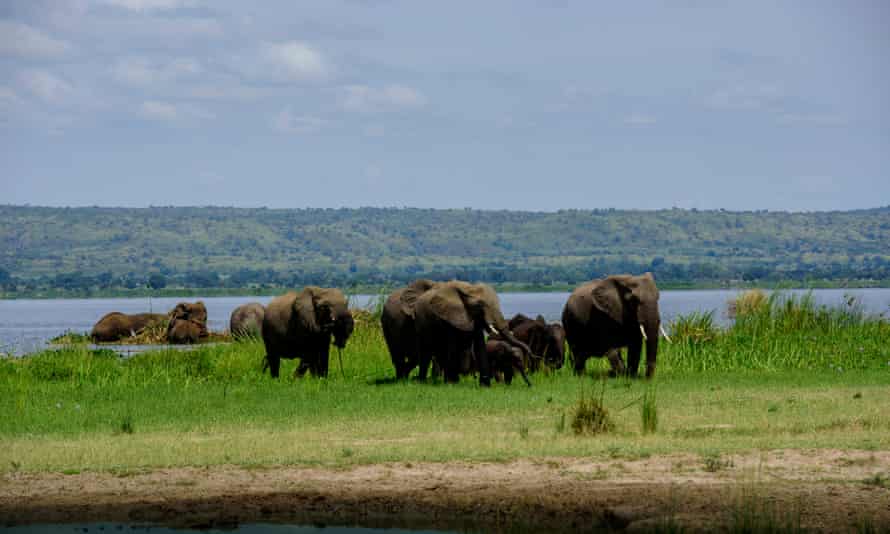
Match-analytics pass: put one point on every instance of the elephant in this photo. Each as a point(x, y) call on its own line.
point(247, 321)
point(300, 325)
point(603, 315)
point(450, 320)
point(505, 360)
point(188, 323)
point(545, 339)
point(397, 320)
point(115, 326)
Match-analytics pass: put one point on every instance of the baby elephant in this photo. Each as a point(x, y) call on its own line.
point(188, 323)
point(505, 358)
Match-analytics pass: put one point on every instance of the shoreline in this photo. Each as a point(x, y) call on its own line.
point(822, 490)
point(380, 290)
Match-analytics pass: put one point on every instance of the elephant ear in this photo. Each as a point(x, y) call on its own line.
point(448, 306)
point(607, 298)
point(408, 300)
point(304, 307)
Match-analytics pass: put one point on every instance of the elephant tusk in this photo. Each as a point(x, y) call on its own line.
point(493, 329)
point(665, 334)
point(643, 331)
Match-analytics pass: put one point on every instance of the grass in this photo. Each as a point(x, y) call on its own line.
point(763, 384)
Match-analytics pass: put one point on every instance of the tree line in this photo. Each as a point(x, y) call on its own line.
point(98, 249)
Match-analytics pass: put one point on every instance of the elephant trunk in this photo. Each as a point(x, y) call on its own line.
point(650, 323)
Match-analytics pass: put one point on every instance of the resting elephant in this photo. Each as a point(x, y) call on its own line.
point(300, 325)
point(604, 315)
point(505, 360)
point(247, 321)
point(188, 323)
point(115, 326)
point(397, 321)
point(547, 340)
point(450, 320)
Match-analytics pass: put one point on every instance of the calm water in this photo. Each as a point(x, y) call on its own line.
point(26, 325)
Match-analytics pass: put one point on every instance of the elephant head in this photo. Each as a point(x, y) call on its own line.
point(325, 310)
point(632, 301)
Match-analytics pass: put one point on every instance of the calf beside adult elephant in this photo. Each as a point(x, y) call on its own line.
point(544, 339)
point(116, 326)
point(188, 323)
point(300, 325)
point(246, 321)
point(604, 315)
point(450, 321)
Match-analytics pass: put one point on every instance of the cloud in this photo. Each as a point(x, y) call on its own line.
point(21, 40)
point(812, 119)
point(286, 122)
point(365, 99)
point(293, 60)
point(158, 110)
point(45, 85)
point(150, 5)
point(746, 96)
point(9, 101)
point(143, 72)
point(640, 119)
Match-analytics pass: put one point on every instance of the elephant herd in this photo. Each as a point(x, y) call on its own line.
point(450, 328)
point(446, 323)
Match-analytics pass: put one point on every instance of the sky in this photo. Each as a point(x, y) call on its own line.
point(496, 105)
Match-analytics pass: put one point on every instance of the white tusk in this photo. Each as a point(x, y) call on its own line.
point(493, 329)
point(643, 331)
point(665, 334)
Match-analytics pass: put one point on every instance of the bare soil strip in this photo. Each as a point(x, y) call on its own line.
point(825, 490)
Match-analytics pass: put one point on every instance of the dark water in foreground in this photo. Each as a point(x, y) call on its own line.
point(256, 528)
point(26, 325)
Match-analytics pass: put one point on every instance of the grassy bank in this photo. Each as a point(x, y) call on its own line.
point(788, 374)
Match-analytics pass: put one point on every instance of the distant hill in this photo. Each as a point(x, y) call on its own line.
point(89, 249)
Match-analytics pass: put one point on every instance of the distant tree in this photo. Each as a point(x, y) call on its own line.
point(157, 281)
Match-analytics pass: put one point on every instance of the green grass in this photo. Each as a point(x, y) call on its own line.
point(794, 379)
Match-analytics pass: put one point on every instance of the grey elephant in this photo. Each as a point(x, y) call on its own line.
point(300, 325)
point(604, 315)
point(450, 322)
point(188, 323)
point(247, 321)
point(115, 326)
point(397, 321)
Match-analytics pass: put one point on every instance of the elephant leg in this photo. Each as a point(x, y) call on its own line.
point(616, 362)
point(274, 364)
point(450, 364)
point(634, 350)
point(306, 363)
point(324, 357)
point(579, 360)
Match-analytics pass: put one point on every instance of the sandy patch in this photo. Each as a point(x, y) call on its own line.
point(825, 490)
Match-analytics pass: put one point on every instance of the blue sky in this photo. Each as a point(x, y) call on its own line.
point(517, 105)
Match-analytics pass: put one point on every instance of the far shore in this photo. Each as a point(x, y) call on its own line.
point(383, 290)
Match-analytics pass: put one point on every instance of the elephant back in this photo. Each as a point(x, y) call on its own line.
point(247, 320)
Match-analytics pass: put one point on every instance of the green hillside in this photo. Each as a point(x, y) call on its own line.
point(95, 249)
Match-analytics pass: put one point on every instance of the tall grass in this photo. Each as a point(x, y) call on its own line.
point(782, 331)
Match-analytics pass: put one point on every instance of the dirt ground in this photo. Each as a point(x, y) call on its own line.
point(824, 490)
